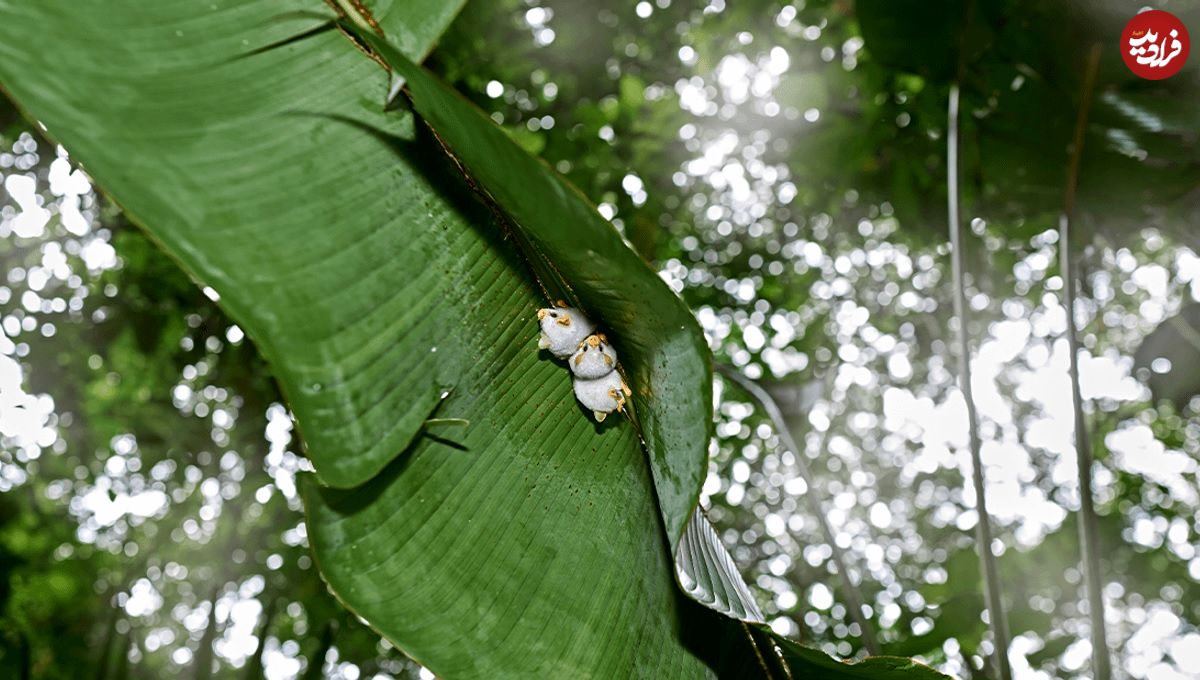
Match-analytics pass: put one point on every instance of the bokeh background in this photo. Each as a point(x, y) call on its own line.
point(782, 165)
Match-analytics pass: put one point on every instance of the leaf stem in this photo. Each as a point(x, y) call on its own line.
point(1088, 530)
point(357, 12)
point(983, 527)
point(815, 505)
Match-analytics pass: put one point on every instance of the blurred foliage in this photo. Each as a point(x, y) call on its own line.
point(1171, 354)
point(802, 219)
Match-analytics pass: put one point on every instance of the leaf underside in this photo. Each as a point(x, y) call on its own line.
point(251, 143)
point(562, 232)
point(524, 542)
point(662, 348)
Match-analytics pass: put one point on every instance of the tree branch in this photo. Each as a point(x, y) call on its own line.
point(1088, 532)
point(983, 527)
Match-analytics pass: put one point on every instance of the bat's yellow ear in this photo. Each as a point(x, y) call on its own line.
point(542, 313)
point(560, 303)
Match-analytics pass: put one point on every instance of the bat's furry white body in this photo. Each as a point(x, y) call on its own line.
point(601, 395)
point(570, 335)
point(563, 328)
point(595, 358)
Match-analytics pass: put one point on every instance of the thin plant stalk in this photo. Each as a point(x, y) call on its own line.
point(1088, 531)
point(851, 591)
point(983, 527)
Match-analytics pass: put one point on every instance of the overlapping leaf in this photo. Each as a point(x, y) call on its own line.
point(805, 662)
point(662, 349)
point(204, 121)
point(591, 262)
point(252, 144)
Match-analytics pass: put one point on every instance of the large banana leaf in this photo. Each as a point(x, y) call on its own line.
point(253, 145)
point(570, 245)
point(663, 351)
point(216, 128)
point(251, 142)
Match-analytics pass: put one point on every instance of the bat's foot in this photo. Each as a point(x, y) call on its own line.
point(616, 396)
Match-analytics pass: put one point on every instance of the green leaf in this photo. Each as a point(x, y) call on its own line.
point(567, 233)
point(806, 662)
point(210, 123)
point(662, 349)
point(917, 36)
point(252, 144)
point(524, 540)
point(1020, 98)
